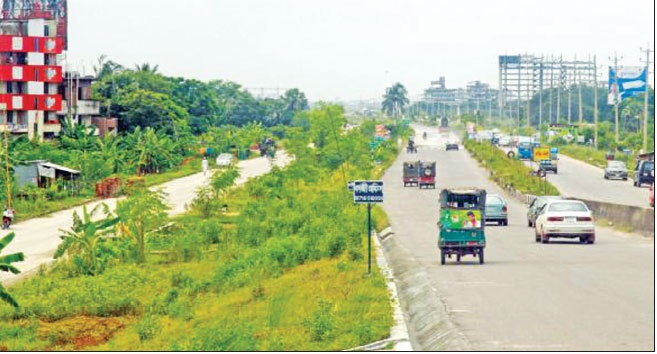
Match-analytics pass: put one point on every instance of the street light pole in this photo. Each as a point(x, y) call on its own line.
point(645, 101)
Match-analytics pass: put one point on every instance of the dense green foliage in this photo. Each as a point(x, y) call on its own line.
point(508, 172)
point(281, 269)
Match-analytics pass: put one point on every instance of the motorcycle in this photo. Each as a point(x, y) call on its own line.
point(6, 223)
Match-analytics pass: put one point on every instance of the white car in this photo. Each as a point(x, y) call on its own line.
point(505, 140)
point(224, 159)
point(565, 218)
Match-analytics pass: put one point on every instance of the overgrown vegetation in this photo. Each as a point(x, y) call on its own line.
point(282, 267)
point(508, 172)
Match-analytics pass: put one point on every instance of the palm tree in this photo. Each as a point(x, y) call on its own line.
point(5, 266)
point(146, 67)
point(86, 236)
point(394, 100)
point(106, 67)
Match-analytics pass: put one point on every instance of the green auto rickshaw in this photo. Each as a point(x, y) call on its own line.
point(461, 224)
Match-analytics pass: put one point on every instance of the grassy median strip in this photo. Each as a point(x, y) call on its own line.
point(508, 173)
point(283, 269)
point(597, 157)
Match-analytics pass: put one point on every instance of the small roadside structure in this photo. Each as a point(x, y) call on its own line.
point(43, 174)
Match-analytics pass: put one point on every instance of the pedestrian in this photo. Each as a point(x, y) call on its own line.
point(204, 165)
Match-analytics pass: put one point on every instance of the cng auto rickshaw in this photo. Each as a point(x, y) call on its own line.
point(427, 174)
point(411, 172)
point(461, 224)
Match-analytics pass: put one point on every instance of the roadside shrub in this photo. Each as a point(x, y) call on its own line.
point(320, 325)
point(148, 328)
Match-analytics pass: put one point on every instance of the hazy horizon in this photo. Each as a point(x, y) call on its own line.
point(352, 50)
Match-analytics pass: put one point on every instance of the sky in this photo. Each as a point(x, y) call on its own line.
point(353, 49)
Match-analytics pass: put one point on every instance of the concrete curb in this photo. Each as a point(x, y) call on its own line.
point(424, 310)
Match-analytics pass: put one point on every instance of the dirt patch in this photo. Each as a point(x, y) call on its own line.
point(79, 332)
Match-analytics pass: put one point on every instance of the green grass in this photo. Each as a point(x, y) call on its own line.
point(508, 172)
point(28, 209)
point(596, 157)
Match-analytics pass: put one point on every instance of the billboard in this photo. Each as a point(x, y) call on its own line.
point(46, 9)
point(625, 83)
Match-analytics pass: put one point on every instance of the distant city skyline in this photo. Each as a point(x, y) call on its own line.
point(352, 50)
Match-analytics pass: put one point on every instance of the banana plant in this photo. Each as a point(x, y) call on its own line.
point(86, 236)
point(6, 266)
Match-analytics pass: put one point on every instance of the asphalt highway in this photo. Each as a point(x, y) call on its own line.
point(528, 296)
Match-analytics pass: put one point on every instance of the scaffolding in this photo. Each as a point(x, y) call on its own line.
point(522, 77)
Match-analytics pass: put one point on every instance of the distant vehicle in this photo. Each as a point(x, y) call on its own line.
point(616, 169)
point(505, 141)
point(411, 173)
point(565, 218)
point(411, 147)
point(525, 151)
point(644, 172)
point(451, 146)
point(495, 141)
point(427, 174)
point(496, 209)
point(224, 159)
point(548, 165)
point(536, 205)
point(444, 125)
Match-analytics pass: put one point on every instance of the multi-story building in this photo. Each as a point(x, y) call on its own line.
point(77, 104)
point(32, 39)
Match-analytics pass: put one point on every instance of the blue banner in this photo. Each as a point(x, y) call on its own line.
point(626, 83)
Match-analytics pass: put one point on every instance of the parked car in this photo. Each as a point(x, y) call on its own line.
point(565, 218)
point(224, 159)
point(496, 209)
point(644, 172)
point(536, 205)
point(616, 169)
point(451, 146)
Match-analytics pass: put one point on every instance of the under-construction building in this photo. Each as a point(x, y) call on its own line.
point(522, 77)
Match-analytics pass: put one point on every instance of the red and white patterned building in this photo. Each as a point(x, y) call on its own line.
point(32, 39)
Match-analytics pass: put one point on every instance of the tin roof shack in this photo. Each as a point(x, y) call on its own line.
point(45, 174)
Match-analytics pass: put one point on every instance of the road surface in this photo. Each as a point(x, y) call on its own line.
point(581, 180)
point(38, 238)
point(528, 296)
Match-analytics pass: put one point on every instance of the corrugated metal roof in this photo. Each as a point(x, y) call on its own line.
point(59, 167)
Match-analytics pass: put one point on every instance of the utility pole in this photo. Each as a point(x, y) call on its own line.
point(616, 94)
point(595, 102)
point(559, 91)
point(551, 88)
point(579, 86)
point(540, 94)
point(645, 101)
point(569, 84)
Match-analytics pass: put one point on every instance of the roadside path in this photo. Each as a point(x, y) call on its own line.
point(38, 238)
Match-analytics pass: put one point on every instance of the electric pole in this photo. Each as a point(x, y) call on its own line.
point(595, 102)
point(616, 95)
point(645, 101)
point(579, 84)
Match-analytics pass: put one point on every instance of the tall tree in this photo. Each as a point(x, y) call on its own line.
point(394, 100)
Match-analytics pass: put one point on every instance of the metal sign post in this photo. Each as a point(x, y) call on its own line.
point(368, 192)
